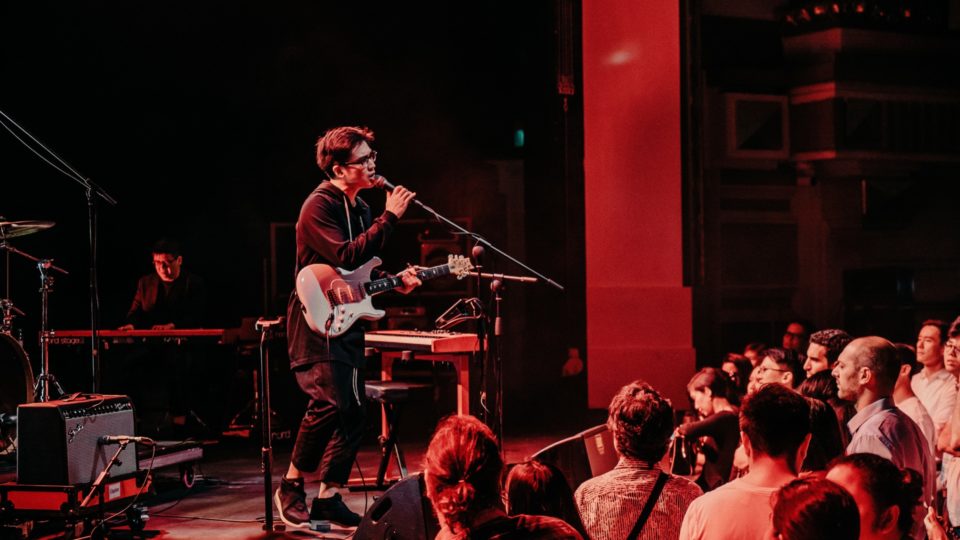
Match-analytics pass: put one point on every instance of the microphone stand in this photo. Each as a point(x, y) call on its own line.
point(496, 286)
point(380, 181)
point(267, 329)
point(93, 191)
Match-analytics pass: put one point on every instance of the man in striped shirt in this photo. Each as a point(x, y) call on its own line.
point(611, 504)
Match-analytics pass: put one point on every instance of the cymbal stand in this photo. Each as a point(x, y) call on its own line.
point(46, 379)
point(93, 191)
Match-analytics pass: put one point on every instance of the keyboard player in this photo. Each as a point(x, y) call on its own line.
point(168, 298)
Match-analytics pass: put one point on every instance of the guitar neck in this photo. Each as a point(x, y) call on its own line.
point(386, 284)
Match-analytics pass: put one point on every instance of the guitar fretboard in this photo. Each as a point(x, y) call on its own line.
point(386, 284)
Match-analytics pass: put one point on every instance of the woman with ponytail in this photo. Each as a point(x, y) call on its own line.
point(888, 498)
point(462, 471)
point(710, 391)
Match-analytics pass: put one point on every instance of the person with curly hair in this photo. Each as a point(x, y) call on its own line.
point(612, 504)
point(824, 350)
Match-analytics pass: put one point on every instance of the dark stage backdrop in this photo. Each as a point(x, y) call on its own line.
point(200, 119)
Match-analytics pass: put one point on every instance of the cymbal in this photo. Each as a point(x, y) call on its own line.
point(13, 229)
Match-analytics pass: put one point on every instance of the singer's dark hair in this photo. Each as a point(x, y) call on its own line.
point(337, 144)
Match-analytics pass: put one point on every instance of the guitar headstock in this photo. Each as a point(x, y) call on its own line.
point(459, 265)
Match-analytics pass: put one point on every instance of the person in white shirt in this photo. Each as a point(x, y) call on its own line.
point(775, 432)
point(949, 441)
point(906, 400)
point(934, 386)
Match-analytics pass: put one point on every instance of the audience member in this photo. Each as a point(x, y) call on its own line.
point(709, 390)
point(823, 386)
point(887, 497)
point(541, 489)
point(906, 400)
point(949, 441)
point(753, 352)
point(462, 471)
point(738, 367)
point(781, 366)
point(934, 526)
point(795, 336)
point(612, 504)
point(774, 425)
point(866, 374)
point(824, 349)
point(934, 386)
point(826, 442)
point(754, 383)
point(812, 508)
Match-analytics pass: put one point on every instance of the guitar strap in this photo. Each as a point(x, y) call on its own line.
point(346, 210)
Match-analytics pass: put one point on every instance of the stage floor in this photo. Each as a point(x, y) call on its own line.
point(226, 500)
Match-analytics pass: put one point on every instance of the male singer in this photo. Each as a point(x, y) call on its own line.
point(334, 228)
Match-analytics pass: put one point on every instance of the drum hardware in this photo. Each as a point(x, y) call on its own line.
point(93, 193)
point(9, 312)
point(13, 229)
point(46, 380)
point(16, 388)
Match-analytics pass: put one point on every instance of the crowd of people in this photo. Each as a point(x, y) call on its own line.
point(829, 436)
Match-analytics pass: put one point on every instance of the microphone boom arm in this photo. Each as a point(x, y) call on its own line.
point(381, 182)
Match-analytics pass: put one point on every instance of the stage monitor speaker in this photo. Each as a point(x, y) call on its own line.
point(58, 441)
point(402, 513)
point(583, 456)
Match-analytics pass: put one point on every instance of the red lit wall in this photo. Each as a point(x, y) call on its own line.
point(638, 312)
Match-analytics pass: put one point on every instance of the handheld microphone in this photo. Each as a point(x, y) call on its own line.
point(382, 183)
point(120, 439)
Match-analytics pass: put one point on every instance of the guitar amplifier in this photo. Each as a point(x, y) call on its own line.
point(58, 441)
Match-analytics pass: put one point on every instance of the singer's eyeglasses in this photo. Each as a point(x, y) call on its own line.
point(371, 157)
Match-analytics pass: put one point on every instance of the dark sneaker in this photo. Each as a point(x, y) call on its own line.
point(332, 510)
point(291, 501)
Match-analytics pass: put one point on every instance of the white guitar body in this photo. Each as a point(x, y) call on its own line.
point(333, 298)
point(318, 283)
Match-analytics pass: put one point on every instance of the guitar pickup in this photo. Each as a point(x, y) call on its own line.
point(332, 296)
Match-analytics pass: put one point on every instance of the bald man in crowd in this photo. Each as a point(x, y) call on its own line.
point(866, 374)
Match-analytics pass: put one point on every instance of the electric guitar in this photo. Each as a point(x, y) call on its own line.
point(333, 298)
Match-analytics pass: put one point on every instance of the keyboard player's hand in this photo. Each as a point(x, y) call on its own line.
point(168, 326)
point(126, 328)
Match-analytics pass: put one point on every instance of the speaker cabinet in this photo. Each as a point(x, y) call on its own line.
point(58, 440)
point(583, 456)
point(403, 512)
